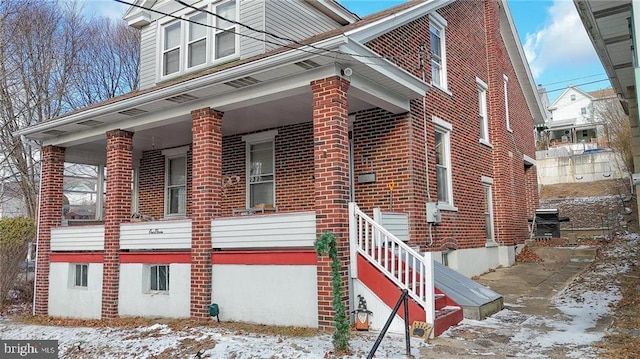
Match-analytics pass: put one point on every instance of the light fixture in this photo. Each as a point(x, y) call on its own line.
point(347, 71)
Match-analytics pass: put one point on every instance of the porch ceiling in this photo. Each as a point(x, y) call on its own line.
point(261, 94)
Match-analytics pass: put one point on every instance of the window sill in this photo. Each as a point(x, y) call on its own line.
point(158, 292)
point(442, 88)
point(486, 143)
point(491, 244)
point(80, 288)
point(447, 207)
point(509, 130)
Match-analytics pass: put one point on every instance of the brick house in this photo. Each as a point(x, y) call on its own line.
point(408, 134)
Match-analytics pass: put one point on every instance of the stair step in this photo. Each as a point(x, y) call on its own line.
point(446, 318)
point(440, 301)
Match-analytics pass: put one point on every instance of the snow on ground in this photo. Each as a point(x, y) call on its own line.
point(583, 318)
point(159, 340)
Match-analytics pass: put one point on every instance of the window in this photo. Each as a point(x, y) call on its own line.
point(487, 184)
point(260, 169)
point(573, 97)
point(506, 102)
point(225, 39)
point(159, 278)
point(583, 111)
point(482, 111)
point(199, 39)
point(82, 192)
point(171, 49)
point(80, 277)
point(443, 162)
point(438, 51)
point(176, 185)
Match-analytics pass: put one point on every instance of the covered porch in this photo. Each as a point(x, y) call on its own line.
point(261, 146)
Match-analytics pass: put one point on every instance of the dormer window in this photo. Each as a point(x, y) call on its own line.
point(198, 40)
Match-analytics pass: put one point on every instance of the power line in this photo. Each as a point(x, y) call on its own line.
point(577, 78)
point(584, 83)
point(324, 51)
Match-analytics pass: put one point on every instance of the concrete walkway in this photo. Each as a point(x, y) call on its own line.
point(528, 289)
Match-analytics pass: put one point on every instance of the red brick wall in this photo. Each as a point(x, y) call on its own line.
point(206, 190)
point(331, 173)
point(294, 173)
point(117, 210)
point(49, 216)
point(467, 40)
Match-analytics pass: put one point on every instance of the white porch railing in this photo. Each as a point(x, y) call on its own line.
point(407, 268)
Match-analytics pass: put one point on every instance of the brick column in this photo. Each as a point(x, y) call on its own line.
point(206, 191)
point(331, 173)
point(117, 210)
point(49, 216)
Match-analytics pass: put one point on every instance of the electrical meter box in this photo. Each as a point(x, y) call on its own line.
point(433, 213)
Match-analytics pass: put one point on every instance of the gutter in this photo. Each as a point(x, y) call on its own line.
point(179, 88)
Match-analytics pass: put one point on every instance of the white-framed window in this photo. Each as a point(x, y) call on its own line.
point(171, 48)
point(260, 172)
point(224, 37)
point(80, 275)
point(583, 111)
point(175, 181)
point(487, 188)
point(159, 278)
point(199, 39)
point(506, 101)
point(483, 117)
point(443, 163)
point(572, 97)
point(83, 191)
point(437, 26)
point(196, 40)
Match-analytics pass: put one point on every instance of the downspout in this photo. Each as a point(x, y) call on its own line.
point(424, 133)
point(35, 270)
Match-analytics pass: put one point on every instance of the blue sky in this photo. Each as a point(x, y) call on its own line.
point(555, 42)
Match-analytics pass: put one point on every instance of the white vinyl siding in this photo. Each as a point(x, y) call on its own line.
point(147, 56)
point(80, 238)
point(273, 230)
point(252, 14)
point(155, 235)
point(296, 20)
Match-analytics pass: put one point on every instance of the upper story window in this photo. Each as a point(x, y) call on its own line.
point(573, 97)
point(438, 51)
point(583, 111)
point(199, 40)
point(506, 102)
point(443, 164)
point(483, 118)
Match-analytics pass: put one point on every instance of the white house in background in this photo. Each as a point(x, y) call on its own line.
point(572, 119)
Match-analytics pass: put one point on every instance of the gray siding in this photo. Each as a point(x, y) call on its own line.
point(148, 56)
point(252, 14)
point(295, 19)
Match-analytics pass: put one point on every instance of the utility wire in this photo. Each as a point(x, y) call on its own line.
point(577, 78)
point(321, 51)
point(584, 83)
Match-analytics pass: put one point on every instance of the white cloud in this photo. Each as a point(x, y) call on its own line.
point(562, 41)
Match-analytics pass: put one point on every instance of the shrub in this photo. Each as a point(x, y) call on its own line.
point(15, 234)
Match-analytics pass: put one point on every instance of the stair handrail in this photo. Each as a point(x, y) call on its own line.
point(421, 292)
